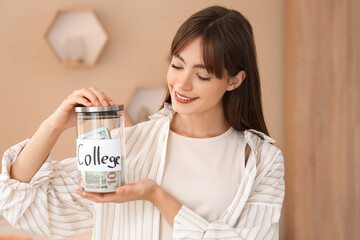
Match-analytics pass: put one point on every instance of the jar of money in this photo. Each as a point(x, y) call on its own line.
point(100, 148)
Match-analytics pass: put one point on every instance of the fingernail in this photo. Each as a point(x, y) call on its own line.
point(112, 103)
point(97, 103)
point(105, 103)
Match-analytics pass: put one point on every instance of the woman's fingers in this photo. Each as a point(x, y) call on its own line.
point(99, 197)
point(142, 190)
point(103, 98)
point(64, 116)
point(96, 97)
point(90, 95)
point(91, 196)
point(81, 100)
point(126, 194)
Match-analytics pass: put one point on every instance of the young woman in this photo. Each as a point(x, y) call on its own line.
point(203, 167)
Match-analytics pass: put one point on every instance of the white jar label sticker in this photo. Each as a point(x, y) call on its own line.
point(98, 155)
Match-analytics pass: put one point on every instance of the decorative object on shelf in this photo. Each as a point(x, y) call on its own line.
point(77, 37)
point(74, 50)
point(144, 102)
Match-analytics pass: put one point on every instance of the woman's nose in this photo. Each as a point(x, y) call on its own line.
point(185, 82)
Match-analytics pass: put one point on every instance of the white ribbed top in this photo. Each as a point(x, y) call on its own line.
point(203, 173)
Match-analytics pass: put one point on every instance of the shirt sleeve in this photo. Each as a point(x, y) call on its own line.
point(257, 219)
point(47, 205)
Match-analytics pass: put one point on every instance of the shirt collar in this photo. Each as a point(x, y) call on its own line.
point(263, 136)
point(166, 111)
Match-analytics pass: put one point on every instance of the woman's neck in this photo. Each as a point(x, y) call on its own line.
point(204, 125)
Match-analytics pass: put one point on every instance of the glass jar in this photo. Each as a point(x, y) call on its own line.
point(100, 148)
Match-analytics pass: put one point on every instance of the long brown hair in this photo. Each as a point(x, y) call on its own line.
point(228, 47)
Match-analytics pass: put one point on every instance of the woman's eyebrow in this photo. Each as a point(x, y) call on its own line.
point(180, 57)
point(195, 66)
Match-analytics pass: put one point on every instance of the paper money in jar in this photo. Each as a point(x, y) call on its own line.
point(100, 148)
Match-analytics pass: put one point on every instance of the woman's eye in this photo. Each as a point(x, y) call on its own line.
point(176, 67)
point(203, 78)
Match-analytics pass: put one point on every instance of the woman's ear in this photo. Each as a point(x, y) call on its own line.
point(235, 82)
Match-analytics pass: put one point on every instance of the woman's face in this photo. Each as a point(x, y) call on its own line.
point(193, 90)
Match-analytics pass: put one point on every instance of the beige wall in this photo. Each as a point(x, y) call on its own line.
point(33, 83)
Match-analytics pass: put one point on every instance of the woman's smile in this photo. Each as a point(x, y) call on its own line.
point(183, 99)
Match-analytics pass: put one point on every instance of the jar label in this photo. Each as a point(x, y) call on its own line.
point(99, 155)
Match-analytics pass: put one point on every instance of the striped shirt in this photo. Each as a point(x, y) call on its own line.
point(48, 205)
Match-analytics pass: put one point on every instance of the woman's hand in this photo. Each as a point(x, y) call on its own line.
point(144, 190)
point(38, 148)
point(64, 117)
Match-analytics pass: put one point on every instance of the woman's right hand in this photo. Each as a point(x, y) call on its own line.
point(64, 117)
point(38, 148)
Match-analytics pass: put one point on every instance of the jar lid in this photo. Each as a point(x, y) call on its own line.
point(81, 109)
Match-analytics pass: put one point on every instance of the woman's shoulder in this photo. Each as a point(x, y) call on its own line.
point(257, 135)
point(259, 141)
point(267, 154)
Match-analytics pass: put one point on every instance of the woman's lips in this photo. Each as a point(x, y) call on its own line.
point(183, 99)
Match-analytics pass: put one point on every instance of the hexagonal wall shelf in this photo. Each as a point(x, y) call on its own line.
point(77, 37)
point(144, 102)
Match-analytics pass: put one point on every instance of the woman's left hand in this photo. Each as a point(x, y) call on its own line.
point(142, 190)
point(146, 189)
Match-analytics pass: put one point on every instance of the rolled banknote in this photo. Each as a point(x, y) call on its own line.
point(99, 134)
point(101, 181)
